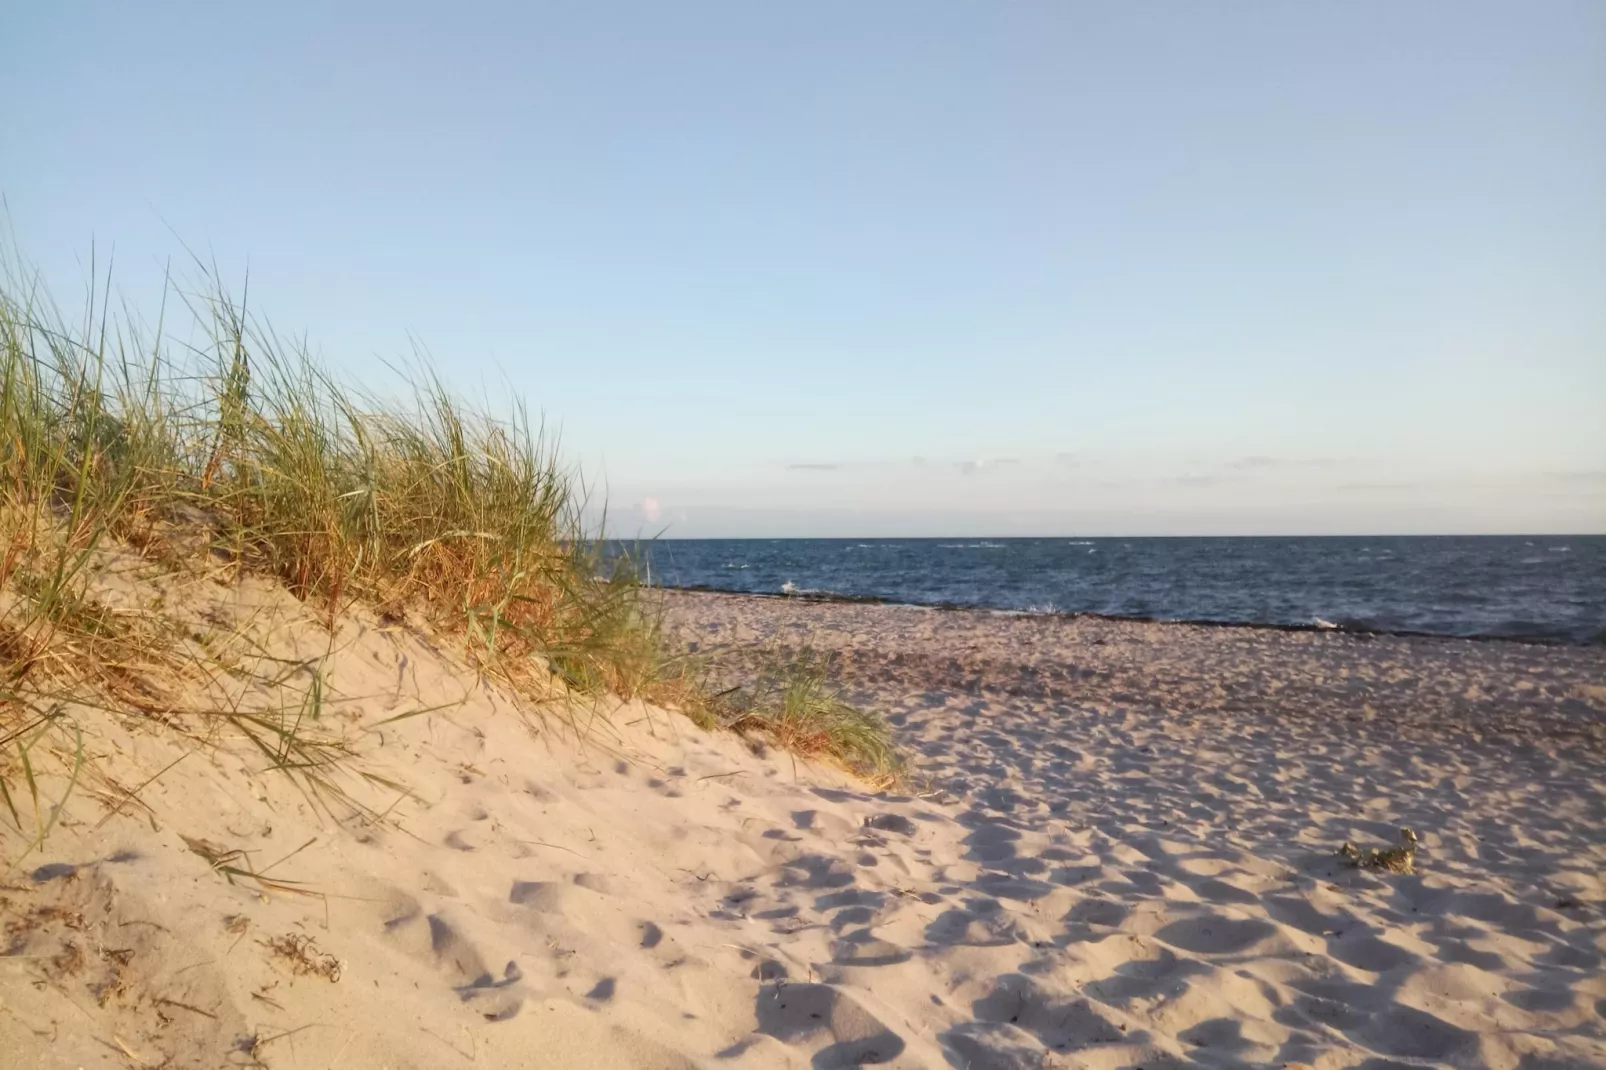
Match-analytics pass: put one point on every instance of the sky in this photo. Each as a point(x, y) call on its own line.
point(899, 268)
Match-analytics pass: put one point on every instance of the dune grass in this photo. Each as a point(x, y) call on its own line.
point(237, 447)
point(240, 447)
point(425, 506)
point(794, 703)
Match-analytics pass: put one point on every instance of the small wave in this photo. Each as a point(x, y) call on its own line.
point(1079, 542)
point(1047, 610)
point(1324, 625)
point(1093, 550)
point(970, 546)
point(790, 588)
point(1534, 560)
point(1561, 549)
point(732, 564)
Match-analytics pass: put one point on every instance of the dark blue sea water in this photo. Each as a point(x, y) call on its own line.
point(1529, 587)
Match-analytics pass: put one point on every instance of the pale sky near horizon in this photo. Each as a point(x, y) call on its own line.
point(901, 268)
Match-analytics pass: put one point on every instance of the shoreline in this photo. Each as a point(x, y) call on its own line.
point(1354, 630)
point(1441, 684)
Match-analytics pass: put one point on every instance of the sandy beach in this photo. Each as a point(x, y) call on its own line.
point(1048, 536)
point(1118, 849)
point(1147, 815)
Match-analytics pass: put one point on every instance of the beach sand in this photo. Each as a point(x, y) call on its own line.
point(1143, 868)
point(1119, 851)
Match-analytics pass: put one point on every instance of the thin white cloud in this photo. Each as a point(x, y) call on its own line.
point(971, 468)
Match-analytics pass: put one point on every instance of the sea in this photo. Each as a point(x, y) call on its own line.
point(1532, 587)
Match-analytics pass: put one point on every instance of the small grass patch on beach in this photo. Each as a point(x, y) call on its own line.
point(794, 703)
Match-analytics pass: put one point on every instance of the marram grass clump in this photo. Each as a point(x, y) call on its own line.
point(794, 703)
point(420, 505)
point(207, 441)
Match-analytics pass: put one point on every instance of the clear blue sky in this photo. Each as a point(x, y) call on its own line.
point(896, 268)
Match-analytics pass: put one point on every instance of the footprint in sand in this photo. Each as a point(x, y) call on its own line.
point(561, 909)
point(769, 970)
point(989, 1046)
point(434, 937)
point(810, 1014)
point(1105, 913)
point(1413, 1034)
point(863, 948)
point(982, 925)
point(495, 1000)
point(1216, 934)
point(1366, 951)
point(1058, 1024)
point(891, 823)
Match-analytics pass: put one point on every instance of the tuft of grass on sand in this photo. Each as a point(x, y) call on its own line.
point(794, 703)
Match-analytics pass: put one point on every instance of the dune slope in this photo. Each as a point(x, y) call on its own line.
point(1122, 855)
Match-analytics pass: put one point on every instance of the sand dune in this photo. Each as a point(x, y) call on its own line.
point(1123, 855)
